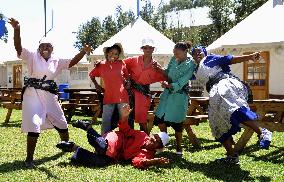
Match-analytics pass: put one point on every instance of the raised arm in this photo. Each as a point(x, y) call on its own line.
point(86, 50)
point(239, 59)
point(17, 36)
point(123, 122)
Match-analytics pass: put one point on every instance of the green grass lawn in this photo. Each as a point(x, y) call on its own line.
point(196, 164)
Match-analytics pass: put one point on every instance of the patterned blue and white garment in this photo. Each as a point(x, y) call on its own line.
point(228, 105)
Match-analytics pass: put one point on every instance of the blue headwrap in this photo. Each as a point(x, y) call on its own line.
point(203, 48)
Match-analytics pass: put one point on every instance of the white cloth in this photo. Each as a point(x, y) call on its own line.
point(41, 109)
point(225, 97)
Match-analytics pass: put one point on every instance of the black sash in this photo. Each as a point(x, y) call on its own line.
point(42, 84)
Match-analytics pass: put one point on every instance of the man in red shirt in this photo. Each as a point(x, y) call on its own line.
point(125, 144)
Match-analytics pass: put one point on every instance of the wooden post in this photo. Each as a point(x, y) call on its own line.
point(244, 139)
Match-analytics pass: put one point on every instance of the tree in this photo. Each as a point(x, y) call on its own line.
point(243, 8)
point(5, 36)
point(159, 19)
point(90, 33)
point(109, 27)
point(220, 11)
point(208, 34)
point(147, 12)
point(123, 18)
point(95, 33)
point(176, 5)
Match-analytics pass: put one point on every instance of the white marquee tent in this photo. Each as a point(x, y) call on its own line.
point(263, 30)
point(131, 38)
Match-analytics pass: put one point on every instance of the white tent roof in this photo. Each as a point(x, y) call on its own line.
point(131, 39)
point(263, 26)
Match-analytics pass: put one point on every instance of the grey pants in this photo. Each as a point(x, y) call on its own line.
point(107, 115)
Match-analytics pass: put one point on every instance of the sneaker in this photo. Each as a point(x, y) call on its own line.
point(66, 146)
point(81, 124)
point(229, 160)
point(30, 164)
point(265, 138)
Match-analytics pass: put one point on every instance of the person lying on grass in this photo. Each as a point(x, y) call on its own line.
point(114, 146)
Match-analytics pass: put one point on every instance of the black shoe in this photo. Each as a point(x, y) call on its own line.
point(30, 164)
point(229, 160)
point(81, 124)
point(66, 146)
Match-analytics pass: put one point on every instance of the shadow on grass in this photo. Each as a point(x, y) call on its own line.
point(187, 146)
point(275, 157)
point(89, 120)
point(11, 124)
point(212, 170)
point(20, 165)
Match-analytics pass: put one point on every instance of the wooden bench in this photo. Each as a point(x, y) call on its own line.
point(196, 114)
point(83, 102)
point(11, 101)
point(271, 116)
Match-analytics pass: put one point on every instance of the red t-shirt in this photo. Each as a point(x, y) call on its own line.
point(141, 74)
point(113, 75)
point(128, 144)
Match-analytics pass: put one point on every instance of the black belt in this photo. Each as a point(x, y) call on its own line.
point(42, 84)
point(220, 76)
point(144, 89)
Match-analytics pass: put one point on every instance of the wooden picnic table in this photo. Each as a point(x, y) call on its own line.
point(10, 99)
point(84, 100)
point(271, 116)
point(197, 113)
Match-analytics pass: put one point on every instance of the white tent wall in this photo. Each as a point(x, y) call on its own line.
point(3, 76)
point(276, 85)
point(81, 78)
point(75, 77)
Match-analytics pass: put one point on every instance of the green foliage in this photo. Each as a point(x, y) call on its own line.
point(90, 33)
point(123, 18)
point(95, 33)
point(176, 5)
point(147, 11)
point(220, 11)
point(5, 37)
point(243, 8)
point(109, 27)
